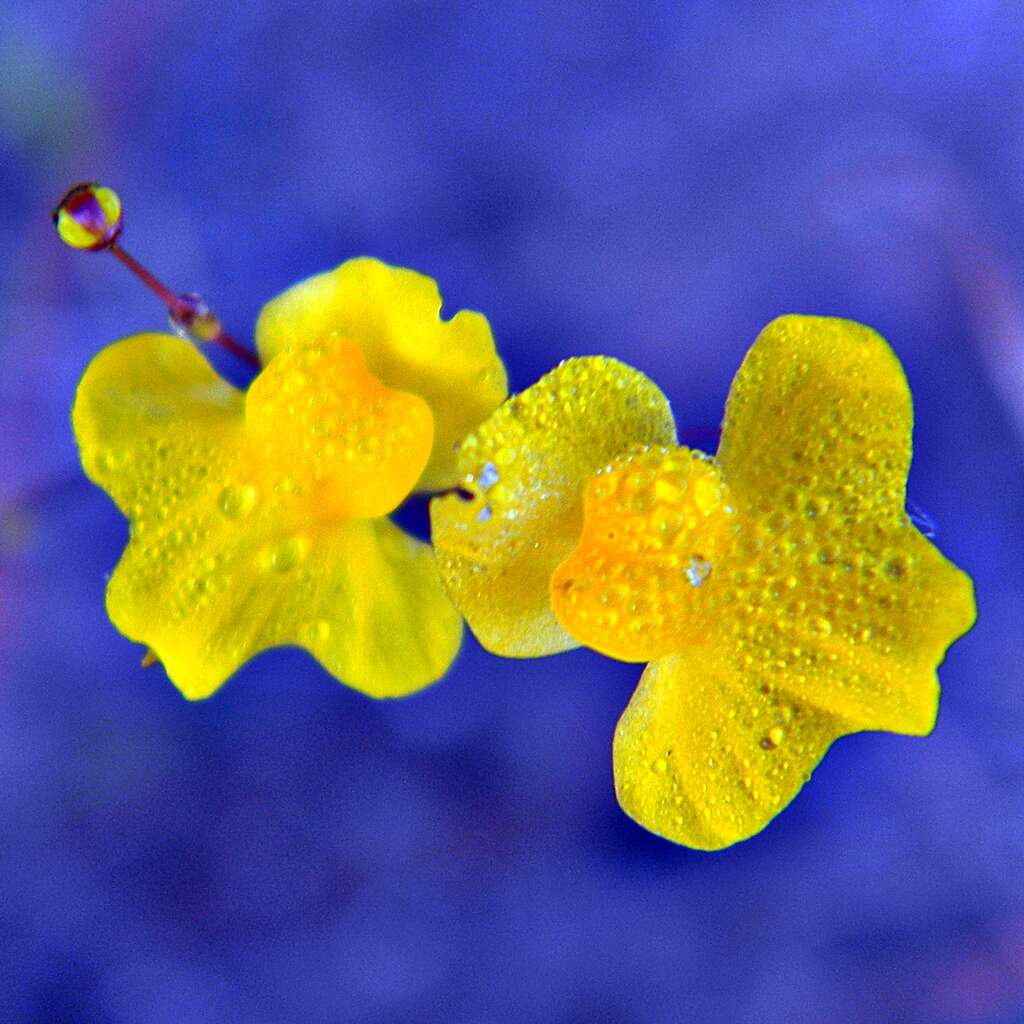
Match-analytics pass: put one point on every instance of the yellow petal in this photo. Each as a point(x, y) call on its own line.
point(147, 403)
point(393, 315)
point(703, 758)
point(859, 634)
point(650, 570)
point(351, 447)
point(525, 468)
point(241, 534)
point(852, 607)
point(362, 596)
point(819, 412)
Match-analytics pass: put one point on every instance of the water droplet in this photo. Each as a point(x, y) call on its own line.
point(317, 631)
point(488, 476)
point(896, 568)
point(88, 217)
point(706, 495)
point(236, 501)
point(816, 507)
point(666, 521)
point(669, 491)
point(698, 570)
point(108, 460)
point(192, 319)
point(822, 627)
point(660, 766)
point(287, 554)
point(505, 456)
point(604, 485)
point(639, 480)
point(776, 734)
point(924, 522)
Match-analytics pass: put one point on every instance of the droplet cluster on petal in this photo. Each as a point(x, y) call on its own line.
point(706, 760)
point(353, 449)
point(818, 422)
point(657, 542)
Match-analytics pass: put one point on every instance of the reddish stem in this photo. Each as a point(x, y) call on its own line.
point(236, 348)
point(154, 284)
point(176, 307)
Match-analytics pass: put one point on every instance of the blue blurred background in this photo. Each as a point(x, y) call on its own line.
point(651, 181)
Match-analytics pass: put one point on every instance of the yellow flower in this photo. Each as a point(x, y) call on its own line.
point(260, 518)
point(393, 315)
point(779, 590)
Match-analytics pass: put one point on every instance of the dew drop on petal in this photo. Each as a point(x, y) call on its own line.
point(698, 570)
point(488, 476)
point(237, 500)
point(108, 460)
point(317, 631)
point(706, 495)
point(287, 554)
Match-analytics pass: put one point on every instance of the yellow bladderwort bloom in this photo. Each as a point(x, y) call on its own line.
point(779, 590)
point(260, 518)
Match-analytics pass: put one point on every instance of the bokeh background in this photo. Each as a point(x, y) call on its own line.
point(651, 181)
